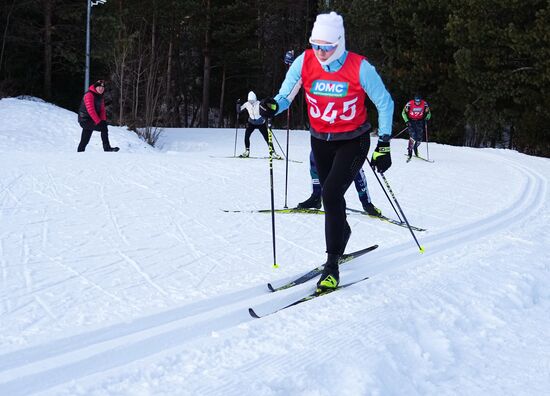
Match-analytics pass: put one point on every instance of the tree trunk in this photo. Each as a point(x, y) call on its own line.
point(168, 99)
point(205, 91)
point(6, 34)
point(153, 85)
point(138, 73)
point(47, 48)
point(120, 66)
point(206, 71)
point(122, 76)
point(222, 95)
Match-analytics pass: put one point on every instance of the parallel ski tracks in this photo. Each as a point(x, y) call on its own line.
point(42, 367)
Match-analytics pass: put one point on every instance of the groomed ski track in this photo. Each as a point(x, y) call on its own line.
point(42, 367)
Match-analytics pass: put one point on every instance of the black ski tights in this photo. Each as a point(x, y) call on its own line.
point(251, 128)
point(338, 162)
point(85, 139)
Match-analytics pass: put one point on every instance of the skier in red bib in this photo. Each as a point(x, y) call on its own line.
point(416, 113)
point(336, 83)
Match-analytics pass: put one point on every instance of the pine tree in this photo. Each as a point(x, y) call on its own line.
point(503, 62)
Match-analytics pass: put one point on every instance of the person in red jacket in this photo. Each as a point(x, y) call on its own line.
point(92, 116)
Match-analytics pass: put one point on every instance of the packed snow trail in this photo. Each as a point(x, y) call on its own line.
point(121, 275)
point(90, 353)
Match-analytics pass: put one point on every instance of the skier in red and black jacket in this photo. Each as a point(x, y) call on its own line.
point(92, 116)
point(416, 114)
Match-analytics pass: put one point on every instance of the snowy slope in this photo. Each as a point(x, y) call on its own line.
point(31, 126)
point(121, 275)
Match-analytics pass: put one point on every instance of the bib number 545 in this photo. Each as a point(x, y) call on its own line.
point(330, 114)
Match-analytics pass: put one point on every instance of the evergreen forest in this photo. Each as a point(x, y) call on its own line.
point(482, 65)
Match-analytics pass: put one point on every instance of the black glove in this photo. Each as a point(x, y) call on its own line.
point(102, 126)
point(381, 158)
point(238, 106)
point(408, 123)
point(268, 107)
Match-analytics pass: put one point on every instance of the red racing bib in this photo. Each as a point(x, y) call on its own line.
point(416, 111)
point(335, 101)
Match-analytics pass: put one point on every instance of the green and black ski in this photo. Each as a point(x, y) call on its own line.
point(316, 271)
point(419, 157)
point(288, 210)
point(277, 159)
point(386, 219)
point(309, 297)
point(320, 212)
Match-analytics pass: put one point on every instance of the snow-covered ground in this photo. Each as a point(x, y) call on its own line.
point(121, 275)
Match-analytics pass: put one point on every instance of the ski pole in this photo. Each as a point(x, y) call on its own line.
point(270, 134)
point(383, 189)
point(278, 144)
point(401, 210)
point(236, 127)
point(287, 143)
point(289, 59)
point(403, 130)
point(427, 150)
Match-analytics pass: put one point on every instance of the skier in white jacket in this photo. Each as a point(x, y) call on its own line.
point(255, 121)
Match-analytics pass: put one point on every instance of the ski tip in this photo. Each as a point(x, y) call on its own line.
point(270, 287)
point(253, 314)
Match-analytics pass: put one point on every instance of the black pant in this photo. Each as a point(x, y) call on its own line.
point(250, 128)
point(338, 162)
point(416, 132)
point(87, 131)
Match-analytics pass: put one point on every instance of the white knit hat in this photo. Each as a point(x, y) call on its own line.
point(252, 96)
point(330, 28)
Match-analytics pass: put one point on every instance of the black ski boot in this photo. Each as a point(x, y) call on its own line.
point(372, 210)
point(313, 202)
point(331, 276)
point(109, 149)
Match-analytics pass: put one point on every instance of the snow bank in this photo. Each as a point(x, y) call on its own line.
point(30, 125)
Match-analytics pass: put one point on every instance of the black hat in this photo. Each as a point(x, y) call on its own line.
point(99, 83)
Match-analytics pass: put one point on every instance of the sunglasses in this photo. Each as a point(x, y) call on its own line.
point(323, 47)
